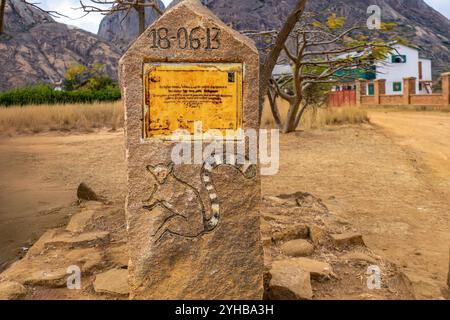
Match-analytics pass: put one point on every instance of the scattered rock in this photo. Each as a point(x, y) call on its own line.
point(299, 231)
point(341, 221)
point(119, 256)
point(83, 240)
point(53, 278)
point(90, 259)
point(93, 205)
point(80, 221)
point(276, 200)
point(317, 235)
point(114, 281)
point(289, 282)
point(347, 239)
point(297, 248)
point(358, 257)
point(420, 287)
point(318, 270)
point(11, 290)
point(307, 200)
point(84, 192)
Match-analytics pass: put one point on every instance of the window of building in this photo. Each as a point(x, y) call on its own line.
point(397, 86)
point(370, 89)
point(400, 58)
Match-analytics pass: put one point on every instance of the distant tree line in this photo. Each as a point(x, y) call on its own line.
point(81, 85)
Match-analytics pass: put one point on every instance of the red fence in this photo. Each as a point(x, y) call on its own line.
point(342, 98)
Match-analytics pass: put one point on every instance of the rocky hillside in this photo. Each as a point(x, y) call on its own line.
point(37, 49)
point(417, 22)
point(121, 28)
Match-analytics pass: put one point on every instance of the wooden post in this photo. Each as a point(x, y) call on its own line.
point(379, 89)
point(409, 88)
point(446, 88)
point(360, 91)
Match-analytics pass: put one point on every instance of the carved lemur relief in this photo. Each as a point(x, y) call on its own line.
point(189, 217)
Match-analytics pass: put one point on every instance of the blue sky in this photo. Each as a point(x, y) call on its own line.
point(91, 21)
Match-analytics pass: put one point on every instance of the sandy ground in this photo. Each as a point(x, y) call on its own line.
point(389, 179)
point(39, 176)
point(426, 133)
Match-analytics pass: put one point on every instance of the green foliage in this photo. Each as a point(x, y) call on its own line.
point(335, 22)
point(44, 94)
point(82, 77)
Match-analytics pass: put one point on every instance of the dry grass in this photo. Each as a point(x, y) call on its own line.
point(88, 117)
point(73, 117)
point(319, 117)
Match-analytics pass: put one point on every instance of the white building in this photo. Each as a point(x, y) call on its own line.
point(404, 62)
point(281, 70)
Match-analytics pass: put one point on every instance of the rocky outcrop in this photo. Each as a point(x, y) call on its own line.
point(20, 17)
point(35, 49)
point(331, 270)
point(100, 255)
point(114, 281)
point(122, 28)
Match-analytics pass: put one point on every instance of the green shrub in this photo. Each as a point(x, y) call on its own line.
point(44, 94)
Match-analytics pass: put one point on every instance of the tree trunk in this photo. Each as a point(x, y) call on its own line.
point(274, 108)
point(290, 125)
point(141, 15)
point(300, 116)
point(2, 15)
point(269, 63)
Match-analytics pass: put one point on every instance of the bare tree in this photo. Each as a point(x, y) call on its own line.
point(107, 7)
point(269, 61)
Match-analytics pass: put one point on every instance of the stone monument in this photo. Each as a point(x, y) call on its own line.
point(193, 228)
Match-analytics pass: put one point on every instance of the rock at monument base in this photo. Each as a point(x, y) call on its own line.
point(10, 290)
point(421, 288)
point(182, 243)
point(50, 277)
point(89, 259)
point(317, 235)
point(297, 248)
point(299, 231)
point(84, 192)
point(79, 222)
point(83, 240)
point(347, 239)
point(358, 257)
point(114, 282)
point(318, 270)
point(289, 282)
point(118, 256)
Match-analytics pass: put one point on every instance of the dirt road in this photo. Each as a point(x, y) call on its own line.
point(426, 132)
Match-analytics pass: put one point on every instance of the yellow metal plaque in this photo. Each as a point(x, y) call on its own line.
point(179, 94)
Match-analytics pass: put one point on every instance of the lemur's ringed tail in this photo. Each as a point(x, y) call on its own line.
point(212, 162)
